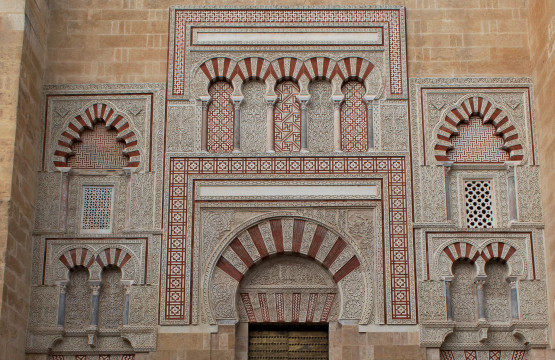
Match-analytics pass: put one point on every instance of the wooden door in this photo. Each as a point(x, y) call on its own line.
point(280, 342)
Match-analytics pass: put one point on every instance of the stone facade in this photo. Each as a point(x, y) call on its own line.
point(184, 172)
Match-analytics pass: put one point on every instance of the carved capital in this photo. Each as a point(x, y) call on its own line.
point(270, 101)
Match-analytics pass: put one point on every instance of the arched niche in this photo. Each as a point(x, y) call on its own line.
point(463, 291)
point(310, 240)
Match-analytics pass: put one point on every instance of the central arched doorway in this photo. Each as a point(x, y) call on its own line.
point(287, 301)
point(288, 274)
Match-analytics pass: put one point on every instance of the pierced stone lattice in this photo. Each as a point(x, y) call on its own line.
point(287, 118)
point(354, 118)
point(221, 117)
point(98, 149)
point(479, 204)
point(477, 143)
point(97, 208)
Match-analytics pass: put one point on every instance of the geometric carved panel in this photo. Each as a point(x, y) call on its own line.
point(477, 143)
point(287, 118)
point(354, 118)
point(221, 118)
point(98, 149)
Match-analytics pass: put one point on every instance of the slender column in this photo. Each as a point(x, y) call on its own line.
point(337, 100)
point(62, 304)
point(448, 304)
point(270, 126)
point(514, 297)
point(511, 186)
point(370, 110)
point(62, 221)
point(127, 287)
point(447, 169)
point(303, 100)
point(127, 197)
point(480, 292)
point(204, 127)
point(237, 100)
point(95, 286)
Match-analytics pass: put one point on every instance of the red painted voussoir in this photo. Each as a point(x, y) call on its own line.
point(229, 269)
point(125, 126)
point(346, 269)
point(258, 241)
point(334, 253)
point(239, 249)
point(446, 129)
point(277, 234)
point(298, 230)
point(317, 240)
point(447, 252)
point(441, 147)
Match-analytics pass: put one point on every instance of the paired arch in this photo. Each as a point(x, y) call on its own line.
point(479, 257)
point(82, 257)
point(87, 119)
point(489, 113)
point(464, 250)
point(95, 260)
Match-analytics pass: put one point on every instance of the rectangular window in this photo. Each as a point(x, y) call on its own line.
point(478, 195)
point(97, 209)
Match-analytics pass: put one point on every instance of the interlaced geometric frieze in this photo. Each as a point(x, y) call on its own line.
point(221, 118)
point(180, 251)
point(477, 143)
point(354, 118)
point(97, 208)
point(184, 18)
point(482, 354)
point(287, 118)
point(479, 203)
point(92, 357)
point(98, 149)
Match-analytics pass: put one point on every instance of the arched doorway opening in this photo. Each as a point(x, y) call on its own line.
point(287, 301)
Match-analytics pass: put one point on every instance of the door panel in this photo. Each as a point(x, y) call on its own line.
point(288, 342)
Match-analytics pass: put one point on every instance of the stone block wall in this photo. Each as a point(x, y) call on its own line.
point(24, 27)
point(117, 41)
point(98, 41)
point(541, 27)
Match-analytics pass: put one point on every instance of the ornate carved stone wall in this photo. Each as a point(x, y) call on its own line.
point(295, 179)
point(97, 239)
point(471, 140)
